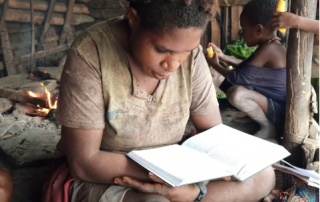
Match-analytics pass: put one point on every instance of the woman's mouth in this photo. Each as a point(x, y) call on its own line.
point(160, 77)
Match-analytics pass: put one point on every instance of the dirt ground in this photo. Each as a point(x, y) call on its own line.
point(29, 180)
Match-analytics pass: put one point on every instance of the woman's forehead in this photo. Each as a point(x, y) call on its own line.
point(178, 39)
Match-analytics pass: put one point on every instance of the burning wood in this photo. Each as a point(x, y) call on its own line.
point(44, 111)
point(40, 104)
point(22, 96)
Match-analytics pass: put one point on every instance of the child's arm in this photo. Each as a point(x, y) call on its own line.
point(230, 60)
point(291, 20)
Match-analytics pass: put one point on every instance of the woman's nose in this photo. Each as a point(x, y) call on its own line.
point(171, 64)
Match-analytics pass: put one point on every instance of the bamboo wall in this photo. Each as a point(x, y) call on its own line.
point(37, 33)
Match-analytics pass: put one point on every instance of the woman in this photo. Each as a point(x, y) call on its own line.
point(133, 83)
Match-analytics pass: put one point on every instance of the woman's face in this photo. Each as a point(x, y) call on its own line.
point(159, 55)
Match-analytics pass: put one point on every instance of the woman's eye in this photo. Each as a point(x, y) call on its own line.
point(161, 51)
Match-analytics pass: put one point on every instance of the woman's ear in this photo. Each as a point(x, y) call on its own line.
point(259, 29)
point(133, 18)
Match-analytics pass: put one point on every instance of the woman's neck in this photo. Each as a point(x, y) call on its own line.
point(121, 31)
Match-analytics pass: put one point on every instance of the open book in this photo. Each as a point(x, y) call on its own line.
point(310, 177)
point(216, 153)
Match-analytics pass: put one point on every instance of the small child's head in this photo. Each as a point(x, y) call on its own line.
point(255, 21)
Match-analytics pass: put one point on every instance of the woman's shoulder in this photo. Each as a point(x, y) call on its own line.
point(87, 37)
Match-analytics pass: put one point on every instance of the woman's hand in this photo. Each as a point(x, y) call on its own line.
point(183, 193)
point(284, 20)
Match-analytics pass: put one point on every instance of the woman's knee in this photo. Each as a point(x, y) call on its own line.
point(143, 197)
point(6, 184)
point(265, 181)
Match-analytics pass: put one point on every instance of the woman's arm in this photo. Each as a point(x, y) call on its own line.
point(291, 20)
point(87, 162)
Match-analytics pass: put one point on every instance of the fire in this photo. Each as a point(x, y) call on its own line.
point(31, 94)
point(42, 111)
point(51, 106)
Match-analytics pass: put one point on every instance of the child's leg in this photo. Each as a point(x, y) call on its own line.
point(255, 105)
point(6, 185)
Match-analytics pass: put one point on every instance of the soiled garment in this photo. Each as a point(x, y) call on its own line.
point(99, 91)
point(270, 82)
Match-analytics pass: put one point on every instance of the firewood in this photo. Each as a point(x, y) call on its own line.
point(15, 15)
point(22, 96)
point(60, 7)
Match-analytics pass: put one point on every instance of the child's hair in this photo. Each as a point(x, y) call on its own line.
point(260, 12)
point(164, 15)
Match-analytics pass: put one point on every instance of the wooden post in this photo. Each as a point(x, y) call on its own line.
point(215, 30)
point(46, 24)
point(299, 58)
point(235, 21)
point(5, 43)
point(225, 22)
point(32, 59)
point(233, 2)
point(66, 30)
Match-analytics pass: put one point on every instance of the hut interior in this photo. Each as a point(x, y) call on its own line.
point(35, 36)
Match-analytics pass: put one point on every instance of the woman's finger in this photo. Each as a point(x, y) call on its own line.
point(155, 178)
point(155, 188)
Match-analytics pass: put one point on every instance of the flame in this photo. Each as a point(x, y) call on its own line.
point(51, 106)
point(31, 94)
point(44, 110)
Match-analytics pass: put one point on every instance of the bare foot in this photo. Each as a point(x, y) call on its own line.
point(244, 119)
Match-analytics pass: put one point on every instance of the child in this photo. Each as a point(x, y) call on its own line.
point(291, 20)
point(257, 85)
point(6, 185)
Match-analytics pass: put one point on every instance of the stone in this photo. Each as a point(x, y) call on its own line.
point(5, 105)
point(5, 127)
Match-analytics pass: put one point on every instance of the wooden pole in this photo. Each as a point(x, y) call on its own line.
point(46, 24)
point(235, 21)
point(66, 30)
point(32, 59)
point(233, 2)
point(4, 12)
point(215, 30)
point(299, 58)
point(5, 43)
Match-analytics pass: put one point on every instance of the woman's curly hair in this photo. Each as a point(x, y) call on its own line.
point(164, 15)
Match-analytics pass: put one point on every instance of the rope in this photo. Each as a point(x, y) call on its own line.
point(301, 140)
point(226, 2)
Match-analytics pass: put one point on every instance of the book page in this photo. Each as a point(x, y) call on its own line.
point(308, 173)
point(305, 176)
point(179, 165)
point(243, 154)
